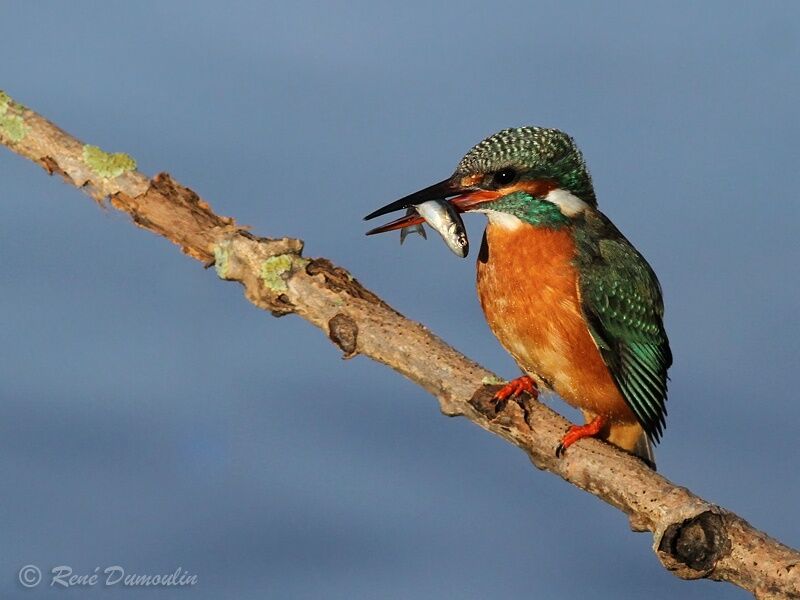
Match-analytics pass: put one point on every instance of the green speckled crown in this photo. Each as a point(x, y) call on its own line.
point(537, 152)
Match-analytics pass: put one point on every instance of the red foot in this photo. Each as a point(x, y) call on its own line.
point(578, 432)
point(515, 387)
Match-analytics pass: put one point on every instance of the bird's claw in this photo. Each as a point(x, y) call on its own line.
point(514, 388)
point(578, 432)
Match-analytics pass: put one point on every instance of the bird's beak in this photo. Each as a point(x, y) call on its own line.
point(455, 190)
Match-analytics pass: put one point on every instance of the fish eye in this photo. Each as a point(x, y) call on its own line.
point(504, 177)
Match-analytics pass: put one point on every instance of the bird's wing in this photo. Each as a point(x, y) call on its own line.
point(621, 301)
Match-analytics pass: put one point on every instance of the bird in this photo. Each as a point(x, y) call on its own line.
point(566, 294)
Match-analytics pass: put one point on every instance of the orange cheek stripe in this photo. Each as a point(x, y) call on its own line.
point(471, 180)
point(538, 188)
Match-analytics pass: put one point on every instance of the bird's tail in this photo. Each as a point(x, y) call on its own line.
point(628, 436)
point(644, 450)
point(631, 437)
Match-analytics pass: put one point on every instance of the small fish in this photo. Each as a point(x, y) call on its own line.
point(442, 217)
point(445, 220)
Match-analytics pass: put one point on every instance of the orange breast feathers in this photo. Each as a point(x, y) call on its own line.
point(528, 288)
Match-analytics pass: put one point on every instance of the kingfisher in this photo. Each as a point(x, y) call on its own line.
point(564, 292)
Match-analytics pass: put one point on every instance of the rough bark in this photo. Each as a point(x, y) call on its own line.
point(692, 537)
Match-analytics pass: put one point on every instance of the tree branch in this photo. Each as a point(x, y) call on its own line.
point(692, 537)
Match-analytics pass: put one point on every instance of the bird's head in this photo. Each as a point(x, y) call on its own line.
point(532, 174)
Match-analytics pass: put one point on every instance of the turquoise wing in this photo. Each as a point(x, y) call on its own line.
point(622, 303)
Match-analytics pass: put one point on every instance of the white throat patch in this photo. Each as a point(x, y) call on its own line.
point(502, 219)
point(568, 204)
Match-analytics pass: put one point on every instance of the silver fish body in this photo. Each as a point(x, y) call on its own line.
point(445, 220)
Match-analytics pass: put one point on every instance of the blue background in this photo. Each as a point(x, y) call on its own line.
point(150, 417)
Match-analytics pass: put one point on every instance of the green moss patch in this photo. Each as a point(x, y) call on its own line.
point(11, 126)
point(273, 269)
point(106, 164)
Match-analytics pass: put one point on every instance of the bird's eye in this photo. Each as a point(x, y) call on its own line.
point(504, 177)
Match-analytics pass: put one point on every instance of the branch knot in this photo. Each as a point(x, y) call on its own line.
point(692, 547)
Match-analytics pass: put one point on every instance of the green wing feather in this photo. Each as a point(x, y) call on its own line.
point(621, 301)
